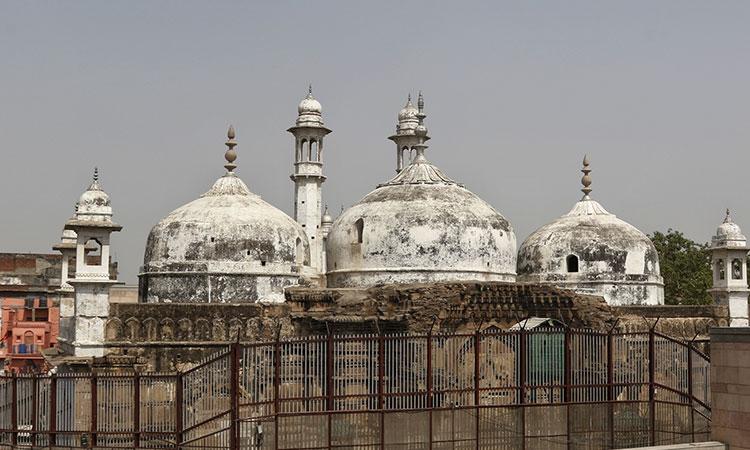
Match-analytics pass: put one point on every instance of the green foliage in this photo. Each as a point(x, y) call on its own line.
point(686, 268)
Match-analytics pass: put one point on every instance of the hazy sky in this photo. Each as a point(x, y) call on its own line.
point(657, 93)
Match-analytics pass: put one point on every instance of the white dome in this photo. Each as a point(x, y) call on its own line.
point(309, 105)
point(420, 227)
point(592, 251)
point(251, 248)
point(729, 233)
point(94, 204)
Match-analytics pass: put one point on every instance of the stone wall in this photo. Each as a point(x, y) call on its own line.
point(730, 386)
point(151, 331)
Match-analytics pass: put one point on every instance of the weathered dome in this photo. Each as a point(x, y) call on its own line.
point(421, 226)
point(226, 246)
point(729, 233)
point(309, 105)
point(592, 251)
point(94, 204)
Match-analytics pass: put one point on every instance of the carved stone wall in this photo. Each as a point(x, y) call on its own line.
point(168, 335)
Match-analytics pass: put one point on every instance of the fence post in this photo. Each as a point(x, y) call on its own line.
point(429, 384)
point(651, 393)
point(137, 410)
point(477, 354)
point(522, 383)
point(179, 405)
point(567, 380)
point(53, 410)
point(234, 392)
point(381, 375)
point(94, 411)
point(329, 382)
point(34, 408)
point(610, 388)
point(14, 408)
point(276, 390)
point(690, 388)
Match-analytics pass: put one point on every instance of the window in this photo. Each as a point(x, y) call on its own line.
point(360, 226)
point(571, 263)
point(736, 269)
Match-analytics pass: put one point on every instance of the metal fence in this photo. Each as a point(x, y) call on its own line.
point(548, 388)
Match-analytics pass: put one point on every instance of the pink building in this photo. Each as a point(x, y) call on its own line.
point(29, 325)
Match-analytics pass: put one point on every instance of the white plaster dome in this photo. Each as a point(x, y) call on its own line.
point(228, 245)
point(592, 251)
point(94, 203)
point(309, 105)
point(730, 231)
point(419, 227)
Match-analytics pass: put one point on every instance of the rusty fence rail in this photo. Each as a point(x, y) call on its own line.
point(559, 388)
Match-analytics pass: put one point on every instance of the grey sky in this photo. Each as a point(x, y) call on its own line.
point(516, 92)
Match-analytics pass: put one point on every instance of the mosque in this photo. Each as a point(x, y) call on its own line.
point(231, 247)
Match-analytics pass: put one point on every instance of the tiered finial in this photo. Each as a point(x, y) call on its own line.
point(728, 218)
point(309, 90)
point(420, 102)
point(96, 174)
point(230, 154)
point(586, 180)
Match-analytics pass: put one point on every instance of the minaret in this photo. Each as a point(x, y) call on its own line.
point(405, 137)
point(325, 227)
point(729, 265)
point(83, 335)
point(308, 174)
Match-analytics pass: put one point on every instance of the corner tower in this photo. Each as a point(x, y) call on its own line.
point(308, 174)
point(729, 261)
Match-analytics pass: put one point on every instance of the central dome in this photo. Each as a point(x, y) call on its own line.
point(226, 246)
point(420, 227)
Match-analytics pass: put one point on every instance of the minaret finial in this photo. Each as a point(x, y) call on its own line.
point(309, 90)
point(230, 154)
point(420, 102)
point(727, 218)
point(96, 174)
point(586, 180)
point(408, 98)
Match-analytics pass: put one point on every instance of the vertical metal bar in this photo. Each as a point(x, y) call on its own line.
point(94, 418)
point(14, 409)
point(179, 404)
point(567, 380)
point(329, 383)
point(477, 353)
point(651, 393)
point(429, 385)
point(53, 410)
point(690, 390)
point(234, 392)
point(137, 410)
point(276, 390)
point(381, 376)
point(34, 408)
point(610, 389)
point(522, 383)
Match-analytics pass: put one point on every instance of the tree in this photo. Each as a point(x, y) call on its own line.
point(685, 267)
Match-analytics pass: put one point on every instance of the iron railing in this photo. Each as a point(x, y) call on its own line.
point(494, 389)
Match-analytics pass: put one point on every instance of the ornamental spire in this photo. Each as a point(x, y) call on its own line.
point(421, 130)
point(95, 181)
point(586, 180)
point(230, 154)
point(727, 218)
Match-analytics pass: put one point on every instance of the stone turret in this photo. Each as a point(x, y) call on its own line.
point(729, 262)
point(83, 334)
point(308, 174)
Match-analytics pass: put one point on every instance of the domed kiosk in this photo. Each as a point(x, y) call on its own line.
point(421, 226)
point(591, 251)
point(226, 246)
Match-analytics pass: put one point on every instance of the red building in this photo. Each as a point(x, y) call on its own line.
point(29, 325)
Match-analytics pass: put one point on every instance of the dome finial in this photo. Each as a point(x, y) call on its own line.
point(586, 180)
point(309, 91)
point(96, 174)
point(230, 154)
point(727, 218)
